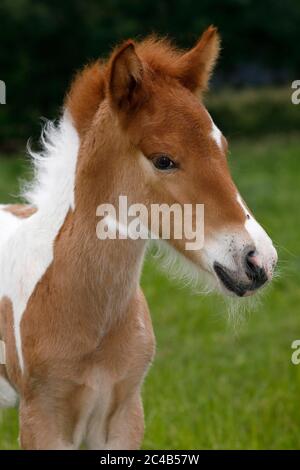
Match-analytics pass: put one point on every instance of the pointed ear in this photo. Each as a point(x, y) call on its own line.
point(196, 65)
point(125, 76)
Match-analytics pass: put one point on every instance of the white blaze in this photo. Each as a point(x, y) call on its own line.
point(216, 135)
point(260, 238)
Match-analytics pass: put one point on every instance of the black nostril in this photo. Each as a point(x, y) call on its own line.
point(251, 266)
point(254, 272)
point(251, 253)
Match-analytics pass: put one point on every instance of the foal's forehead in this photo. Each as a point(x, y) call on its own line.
point(180, 102)
point(180, 114)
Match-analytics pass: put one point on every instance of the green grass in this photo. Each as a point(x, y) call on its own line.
point(211, 387)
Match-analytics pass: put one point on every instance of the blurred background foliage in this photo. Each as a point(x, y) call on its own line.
point(42, 44)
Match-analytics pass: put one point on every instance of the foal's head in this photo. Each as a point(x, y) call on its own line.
point(172, 152)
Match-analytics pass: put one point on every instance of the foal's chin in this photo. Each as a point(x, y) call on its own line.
point(238, 293)
point(238, 290)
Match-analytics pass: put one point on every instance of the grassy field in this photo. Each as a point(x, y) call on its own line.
point(211, 387)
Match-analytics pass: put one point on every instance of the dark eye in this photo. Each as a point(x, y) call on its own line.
point(163, 162)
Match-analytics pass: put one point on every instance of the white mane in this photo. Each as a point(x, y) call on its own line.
point(54, 166)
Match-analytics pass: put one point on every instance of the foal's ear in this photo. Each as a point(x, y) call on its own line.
point(196, 65)
point(125, 76)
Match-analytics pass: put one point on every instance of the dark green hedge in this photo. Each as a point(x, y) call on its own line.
point(254, 112)
point(43, 43)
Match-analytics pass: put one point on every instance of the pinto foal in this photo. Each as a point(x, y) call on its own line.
point(73, 319)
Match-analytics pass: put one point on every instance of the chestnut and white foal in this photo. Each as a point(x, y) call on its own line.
point(75, 330)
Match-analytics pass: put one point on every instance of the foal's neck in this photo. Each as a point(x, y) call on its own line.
point(100, 277)
point(105, 272)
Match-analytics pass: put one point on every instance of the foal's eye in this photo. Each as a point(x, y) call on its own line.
point(163, 162)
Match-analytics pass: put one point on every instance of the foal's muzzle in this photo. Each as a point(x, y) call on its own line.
point(247, 279)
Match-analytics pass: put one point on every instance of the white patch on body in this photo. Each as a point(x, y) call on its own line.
point(8, 224)
point(8, 396)
point(26, 251)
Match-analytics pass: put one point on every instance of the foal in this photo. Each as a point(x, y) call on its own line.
point(73, 319)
